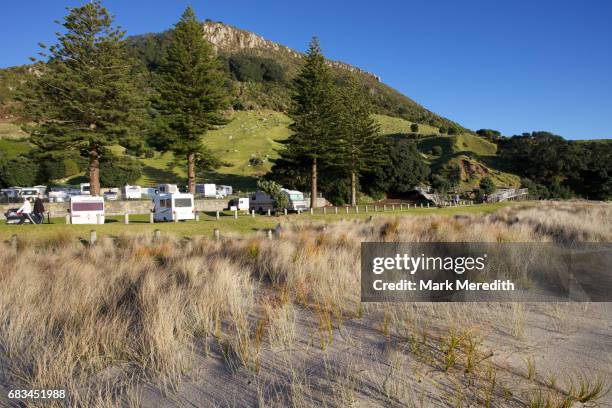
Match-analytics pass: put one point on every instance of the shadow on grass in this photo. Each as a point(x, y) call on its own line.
point(160, 175)
point(238, 182)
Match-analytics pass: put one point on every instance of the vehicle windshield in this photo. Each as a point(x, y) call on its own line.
point(296, 197)
point(182, 202)
point(29, 192)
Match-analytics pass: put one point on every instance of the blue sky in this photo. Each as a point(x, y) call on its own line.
point(510, 65)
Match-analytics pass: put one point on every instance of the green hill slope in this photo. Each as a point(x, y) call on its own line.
point(251, 139)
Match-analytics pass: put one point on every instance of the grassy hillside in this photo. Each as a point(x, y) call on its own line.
point(252, 138)
point(474, 155)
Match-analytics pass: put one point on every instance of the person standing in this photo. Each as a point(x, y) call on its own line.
point(39, 209)
point(25, 211)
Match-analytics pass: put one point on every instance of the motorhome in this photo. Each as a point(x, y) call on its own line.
point(85, 188)
point(261, 202)
point(132, 192)
point(86, 209)
point(112, 194)
point(12, 192)
point(167, 188)
point(173, 207)
point(207, 190)
point(225, 190)
point(58, 194)
point(29, 192)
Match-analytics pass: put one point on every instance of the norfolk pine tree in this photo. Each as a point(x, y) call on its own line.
point(85, 97)
point(191, 93)
point(312, 115)
point(359, 146)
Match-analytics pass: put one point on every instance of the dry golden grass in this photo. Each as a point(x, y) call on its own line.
point(99, 320)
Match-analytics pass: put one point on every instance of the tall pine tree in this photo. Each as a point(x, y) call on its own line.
point(359, 146)
point(86, 96)
point(312, 116)
point(191, 93)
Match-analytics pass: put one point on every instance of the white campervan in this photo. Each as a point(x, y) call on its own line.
point(173, 207)
point(86, 210)
point(261, 201)
point(167, 188)
point(132, 192)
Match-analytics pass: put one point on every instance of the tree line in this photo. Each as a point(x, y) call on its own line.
point(88, 94)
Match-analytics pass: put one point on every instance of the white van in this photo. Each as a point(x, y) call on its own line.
point(173, 207)
point(29, 192)
point(240, 204)
point(85, 188)
point(167, 188)
point(207, 190)
point(132, 192)
point(225, 190)
point(86, 209)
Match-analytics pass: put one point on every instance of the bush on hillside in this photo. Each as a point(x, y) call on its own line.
point(414, 128)
point(487, 185)
point(18, 171)
point(118, 171)
point(404, 170)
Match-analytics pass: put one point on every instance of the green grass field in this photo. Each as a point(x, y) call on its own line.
point(244, 225)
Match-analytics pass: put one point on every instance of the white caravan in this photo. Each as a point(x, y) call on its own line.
point(167, 188)
point(262, 202)
point(86, 210)
point(173, 207)
point(132, 192)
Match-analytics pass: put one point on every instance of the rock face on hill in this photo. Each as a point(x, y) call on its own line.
point(231, 39)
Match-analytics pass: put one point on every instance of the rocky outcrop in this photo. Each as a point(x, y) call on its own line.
point(232, 39)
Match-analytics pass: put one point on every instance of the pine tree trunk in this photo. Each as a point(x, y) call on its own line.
point(313, 184)
point(94, 171)
point(353, 188)
point(191, 172)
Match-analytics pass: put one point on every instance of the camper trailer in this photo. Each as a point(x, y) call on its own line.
point(86, 210)
point(132, 192)
point(260, 201)
point(173, 207)
point(167, 188)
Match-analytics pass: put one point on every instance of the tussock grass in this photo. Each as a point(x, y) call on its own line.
point(100, 320)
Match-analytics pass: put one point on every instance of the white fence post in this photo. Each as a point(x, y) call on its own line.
point(92, 237)
point(67, 218)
